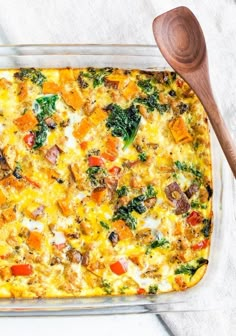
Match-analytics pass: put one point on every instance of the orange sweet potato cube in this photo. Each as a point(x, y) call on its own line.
point(82, 128)
point(9, 215)
point(130, 90)
point(72, 98)
point(35, 240)
point(2, 198)
point(122, 229)
point(50, 87)
point(65, 207)
point(179, 131)
point(98, 195)
point(98, 115)
point(26, 122)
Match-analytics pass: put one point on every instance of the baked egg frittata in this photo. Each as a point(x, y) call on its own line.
point(105, 183)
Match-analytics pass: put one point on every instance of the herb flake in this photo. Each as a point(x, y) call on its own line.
point(104, 225)
point(142, 156)
point(152, 289)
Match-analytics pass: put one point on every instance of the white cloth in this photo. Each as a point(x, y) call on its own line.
point(129, 21)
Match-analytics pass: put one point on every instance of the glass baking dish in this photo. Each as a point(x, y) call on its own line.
point(203, 296)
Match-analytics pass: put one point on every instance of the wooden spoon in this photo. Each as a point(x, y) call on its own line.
point(181, 41)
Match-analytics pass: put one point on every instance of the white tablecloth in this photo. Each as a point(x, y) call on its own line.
point(129, 21)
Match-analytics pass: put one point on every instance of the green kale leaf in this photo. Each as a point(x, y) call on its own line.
point(34, 75)
point(105, 284)
point(45, 106)
point(136, 204)
point(145, 85)
point(160, 243)
point(123, 191)
point(206, 230)
point(153, 289)
point(124, 213)
point(96, 176)
point(40, 135)
point(150, 193)
point(123, 123)
point(191, 269)
point(97, 75)
point(188, 168)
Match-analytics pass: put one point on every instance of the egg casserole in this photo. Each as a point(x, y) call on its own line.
point(105, 183)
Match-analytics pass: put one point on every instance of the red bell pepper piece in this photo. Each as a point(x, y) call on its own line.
point(115, 170)
point(119, 267)
point(21, 269)
point(95, 161)
point(29, 139)
point(141, 291)
point(194, 218)
point(201, 245)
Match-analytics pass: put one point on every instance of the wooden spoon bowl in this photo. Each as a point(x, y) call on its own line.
point(180, 39)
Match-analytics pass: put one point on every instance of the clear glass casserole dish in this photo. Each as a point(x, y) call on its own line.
point(204, 295)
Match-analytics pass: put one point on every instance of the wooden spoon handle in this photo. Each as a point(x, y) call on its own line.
point(205, 95)
point(221, 131)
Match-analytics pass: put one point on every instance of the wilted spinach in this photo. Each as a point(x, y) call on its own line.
point(35, 75)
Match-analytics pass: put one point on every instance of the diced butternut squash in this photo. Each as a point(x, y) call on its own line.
point(9, 214)
point(86, 228)
point(98, 195)
point(50, 87)
point(66, 75)
point(26, 122)
point(112, 148)
point(82, 128)
point(179, 131)
point(178, 229)
point(2, 222)
point(11, 181)
point(122, 229)
point(98, 115)
point(137, 260)
point(4, 83)
point(112, 145)
point(119, 79)
point(35, 240)
point(52, 174)
point(23, 91)
point(64, 206)
point(72, 98)
point(2, 198)
point(76, 173)
point(130, 90)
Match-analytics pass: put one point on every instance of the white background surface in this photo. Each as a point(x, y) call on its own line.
point(129, 21)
